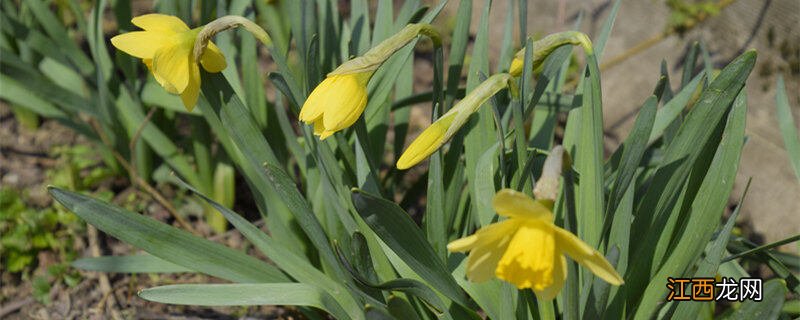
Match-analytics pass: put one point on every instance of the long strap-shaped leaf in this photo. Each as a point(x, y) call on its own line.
point(252, 294)
point(167, 242)
point(291, 262)
point(706, 209)
point(679, 158)
point(710, 264)
point(405, 238)
point(142, 263)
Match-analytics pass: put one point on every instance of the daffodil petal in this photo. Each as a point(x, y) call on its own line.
point(140, 44)
point(167, 86)
point(529, 259)
point(212, 59)
point(463, 244)
point(482, 261)
point(430, 140)
point(559, 278)
point(326, 134)
point(318, 127)
point(316, 102)
point(172, 64)
point(488, 249)
point(351, 99)
point(160, 22)
point(192, 92)
point(586, 256)
point(512, 203)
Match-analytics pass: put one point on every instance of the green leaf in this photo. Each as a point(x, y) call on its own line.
point(458, 49)
point(495, 297)
point(133, 118)
point(480, 129)
point(484, 185)
point(129, 264)
point(239, 133)
point(167, 242)
point(13, 67)
point(763, 248)
point(518, 111)
point(399, 232)
point(589, 158)
point(58, 34)
point(679, 158)
point(401, 309)
point(247, 294)
point(672, 109)
point(437, 219)
point(295, 265)
point(774, 295)
point(788, 127)
point(631, 152)
point(605, 31)
point(619, 238)
point(709, 203)
point(708, 266)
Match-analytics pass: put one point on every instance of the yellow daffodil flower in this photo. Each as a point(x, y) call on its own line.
point(544, 47)
point(527, 249)
point(166, 46)
point(338, 101)
point(444, 128)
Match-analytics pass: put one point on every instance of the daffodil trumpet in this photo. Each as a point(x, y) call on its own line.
point(544, 47)
point(527, 249)
point(338, 101)
point(443, 129)
point(172, 51)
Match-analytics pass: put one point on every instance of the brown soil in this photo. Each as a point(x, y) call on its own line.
point(25, 157)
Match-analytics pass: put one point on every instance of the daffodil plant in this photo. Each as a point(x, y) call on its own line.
point(509, 205)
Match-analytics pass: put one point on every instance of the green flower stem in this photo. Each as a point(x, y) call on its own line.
point(545, 46)
point(373, 59)
point(227, 23)
point(474, 100)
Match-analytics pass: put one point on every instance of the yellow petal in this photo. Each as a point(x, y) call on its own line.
point(172, 63)
point(512, 203)
point(586, 256)
point(426, 143)
point(347, 102)
point(488, 249)
point(530, 258)
point(325, 134)
point(140, 44)
point(318, 127)
point(192, 92)
point(559, 278)
point(160, 22)
point(482, 261)
point(212, 59)
point(463, 244)
point(317, 101)
point(516, 67)
point(160, 80)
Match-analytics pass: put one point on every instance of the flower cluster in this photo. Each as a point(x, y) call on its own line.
point(526, 249)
